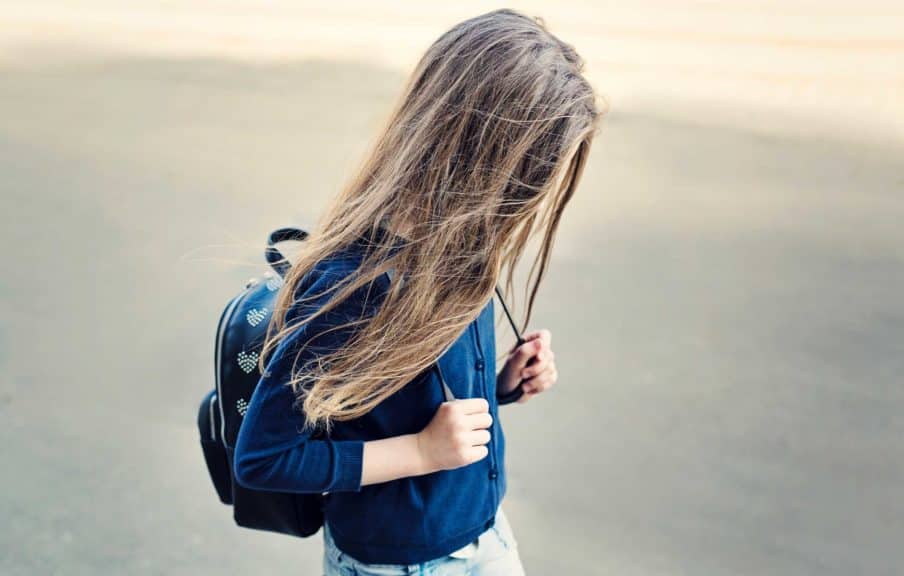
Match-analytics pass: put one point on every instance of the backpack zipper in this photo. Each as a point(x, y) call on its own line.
point(218, 354)
point(213, 422)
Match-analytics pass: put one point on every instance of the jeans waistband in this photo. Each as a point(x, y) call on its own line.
point(329, 545)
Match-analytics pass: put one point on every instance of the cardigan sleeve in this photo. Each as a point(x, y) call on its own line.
point(272, 451)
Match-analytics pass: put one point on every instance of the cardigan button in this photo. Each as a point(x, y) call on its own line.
point(493, 474)
point(480, 364)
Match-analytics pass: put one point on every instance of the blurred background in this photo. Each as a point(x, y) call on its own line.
point(725, 295)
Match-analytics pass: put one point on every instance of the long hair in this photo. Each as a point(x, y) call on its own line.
point(485, 147)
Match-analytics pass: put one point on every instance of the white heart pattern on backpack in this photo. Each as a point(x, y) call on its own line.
point(247, 361)
point(255, 316)
point(241, 406)
point(274, 283)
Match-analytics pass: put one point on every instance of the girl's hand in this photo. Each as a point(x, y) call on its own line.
point(538, 376)
point(457, 434)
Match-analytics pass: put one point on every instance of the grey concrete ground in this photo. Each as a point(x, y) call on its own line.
point(725, 305)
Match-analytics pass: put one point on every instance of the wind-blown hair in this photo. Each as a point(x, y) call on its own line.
point(485, 146)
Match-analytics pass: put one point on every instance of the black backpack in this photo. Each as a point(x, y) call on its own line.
point(239, 340)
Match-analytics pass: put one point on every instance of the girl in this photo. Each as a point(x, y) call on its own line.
point(379, 384)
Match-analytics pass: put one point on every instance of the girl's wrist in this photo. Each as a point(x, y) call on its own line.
point(424, 464)
point(393, 458)
point(504, 387)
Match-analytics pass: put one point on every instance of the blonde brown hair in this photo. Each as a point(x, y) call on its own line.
point(486, 145)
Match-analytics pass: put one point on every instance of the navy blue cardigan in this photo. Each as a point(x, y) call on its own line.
point(405, 521)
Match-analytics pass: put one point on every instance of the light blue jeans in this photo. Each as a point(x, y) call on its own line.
point(493, 553)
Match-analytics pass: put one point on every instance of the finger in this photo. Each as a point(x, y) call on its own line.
point(536, 390)
point(540, 382)
point(544, 335)
point(481, 420)
point(542, 365)
point(479, 437)
point(476, 453)
point(525, 352)
point(473, 405)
